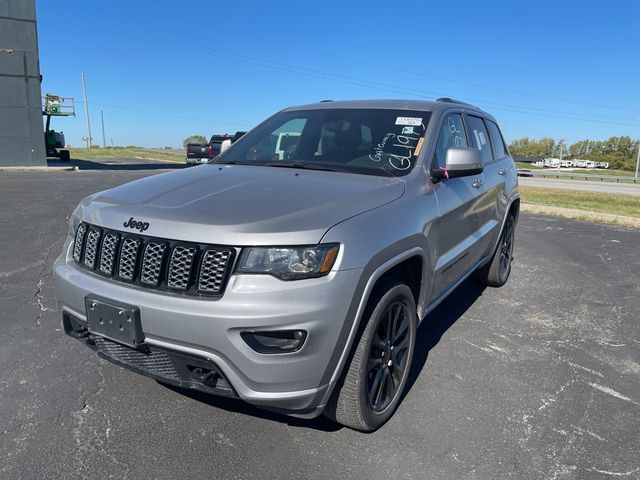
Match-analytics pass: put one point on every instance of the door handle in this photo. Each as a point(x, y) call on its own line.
point(477, 183)
point(502, 171)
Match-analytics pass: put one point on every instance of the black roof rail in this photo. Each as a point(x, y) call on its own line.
point(453, 100)
point(325, 101)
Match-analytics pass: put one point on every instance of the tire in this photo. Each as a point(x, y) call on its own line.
point(372, 383)
point(497, 271)
point(65, 156)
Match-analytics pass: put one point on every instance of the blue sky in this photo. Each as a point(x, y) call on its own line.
point(163, 70)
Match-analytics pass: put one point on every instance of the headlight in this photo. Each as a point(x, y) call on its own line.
point(289, 263)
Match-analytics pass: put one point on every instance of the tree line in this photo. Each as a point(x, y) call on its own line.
point(194, 139)
point(620, 152)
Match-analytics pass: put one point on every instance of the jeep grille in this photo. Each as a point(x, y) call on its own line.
point(194, 269)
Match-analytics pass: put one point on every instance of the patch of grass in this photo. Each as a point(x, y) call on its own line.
point(615, 204)
point(602, 172)
point(582, 215)
point(127, 152)
point(528, 166)
point(598, 172)
point(582, 174)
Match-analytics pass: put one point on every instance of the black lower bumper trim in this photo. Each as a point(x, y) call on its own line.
point(167, 366)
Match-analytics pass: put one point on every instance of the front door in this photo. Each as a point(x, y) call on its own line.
point(454, 233)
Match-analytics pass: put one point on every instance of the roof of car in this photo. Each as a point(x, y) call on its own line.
point(423, 105)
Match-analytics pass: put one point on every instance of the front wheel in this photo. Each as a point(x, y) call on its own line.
point(370, 389)
point(496, 273)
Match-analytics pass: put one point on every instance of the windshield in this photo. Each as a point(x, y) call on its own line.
point(367, 141)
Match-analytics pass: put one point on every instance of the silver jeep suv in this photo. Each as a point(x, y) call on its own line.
point(293, 270)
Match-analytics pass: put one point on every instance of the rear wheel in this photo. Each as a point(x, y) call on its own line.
point(496, 273)
point(370, 389)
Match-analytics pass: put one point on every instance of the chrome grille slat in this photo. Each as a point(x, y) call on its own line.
point(108, 253)
point(212, 270)
point(154, 263)
point(180, 267)
point(78, 245)
point(128, 258)
point(91, 248)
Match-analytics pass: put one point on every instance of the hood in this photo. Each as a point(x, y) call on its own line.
point(241, 205)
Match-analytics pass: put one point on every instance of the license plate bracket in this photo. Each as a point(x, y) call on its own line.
point(115, 321)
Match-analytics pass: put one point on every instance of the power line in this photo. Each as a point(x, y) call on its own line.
point(381, 86)
point(562, 117)
point(189, 21)
point(169, 115)
point(384, 86)
point(419, 74)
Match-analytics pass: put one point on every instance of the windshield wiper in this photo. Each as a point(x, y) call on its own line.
point(225, 162)
point(386, 171)
point(305, 166)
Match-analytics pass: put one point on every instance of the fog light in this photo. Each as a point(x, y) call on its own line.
point(281, 341)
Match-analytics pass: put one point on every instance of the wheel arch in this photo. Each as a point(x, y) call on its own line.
point(397, 265)
point(410, 272)
point(512, 209)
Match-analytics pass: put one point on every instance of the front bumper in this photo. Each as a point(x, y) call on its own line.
point(168, 366)
point(210, 329)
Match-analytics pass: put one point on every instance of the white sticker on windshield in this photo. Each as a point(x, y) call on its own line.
point(407, 130)
point(415, 121)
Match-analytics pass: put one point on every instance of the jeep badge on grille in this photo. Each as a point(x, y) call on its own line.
point(141, 226)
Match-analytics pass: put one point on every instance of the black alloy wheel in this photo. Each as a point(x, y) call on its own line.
point(372, 383)
point(387, 363)
point(506, 250)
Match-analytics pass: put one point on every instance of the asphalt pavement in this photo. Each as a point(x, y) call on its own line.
point(536, 380)
point(582, 185)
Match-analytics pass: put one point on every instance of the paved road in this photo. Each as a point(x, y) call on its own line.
point(587, 186)
point(538, 379)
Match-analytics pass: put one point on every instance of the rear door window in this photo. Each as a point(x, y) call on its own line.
point(499, 149)
point(452, 134)
point(480, 138)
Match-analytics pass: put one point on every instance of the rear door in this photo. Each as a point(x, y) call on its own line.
point(486, 137)
point(453, 234)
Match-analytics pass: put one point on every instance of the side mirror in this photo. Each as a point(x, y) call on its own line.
point(461, 162)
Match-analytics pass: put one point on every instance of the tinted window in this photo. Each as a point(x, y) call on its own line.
point(451, 134)
point(499, 150)
point(480, 138)
point(369, 141)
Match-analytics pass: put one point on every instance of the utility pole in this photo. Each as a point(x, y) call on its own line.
point(561, 144)
point(86, 110)
point(638, 159)
point(104, 142)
